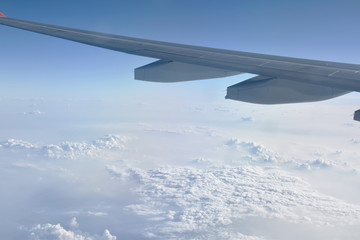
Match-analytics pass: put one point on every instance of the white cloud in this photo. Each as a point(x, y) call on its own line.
point(107, 235)
point(49, 231)
point(183, 203)
point(34, 112)
point(74, 223)
point(57, 232)
point(17, 144)
point(68, 150)
point(117, 173)
point(253, 152)
point(97, 214)
point(322, 164)
point(249, 152)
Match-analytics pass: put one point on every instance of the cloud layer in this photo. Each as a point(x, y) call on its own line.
point(57, 232)
point(66, 150)
point(183, 203)
point(225, 191)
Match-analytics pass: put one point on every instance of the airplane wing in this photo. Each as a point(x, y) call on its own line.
point(280, 79)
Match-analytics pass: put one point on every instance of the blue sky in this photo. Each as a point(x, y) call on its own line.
point(87, 152)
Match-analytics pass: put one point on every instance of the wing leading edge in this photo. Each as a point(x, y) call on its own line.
point(280, 80)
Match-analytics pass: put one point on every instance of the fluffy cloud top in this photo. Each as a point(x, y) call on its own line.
point(68, 150)
point(236, 186)
point(57, 232)
point(253, 152)
point(183, 203)
point(74, 223)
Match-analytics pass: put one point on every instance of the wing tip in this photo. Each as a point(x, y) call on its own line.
point(2, 15)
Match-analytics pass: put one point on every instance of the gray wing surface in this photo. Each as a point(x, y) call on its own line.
point(279, 80)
